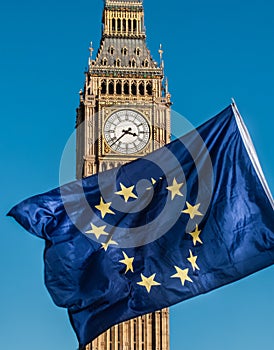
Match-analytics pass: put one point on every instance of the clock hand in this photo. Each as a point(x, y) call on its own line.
point(124, 132)
point(128, 132)
point(119, 138)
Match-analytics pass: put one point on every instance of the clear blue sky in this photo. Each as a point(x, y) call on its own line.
point(214, 50)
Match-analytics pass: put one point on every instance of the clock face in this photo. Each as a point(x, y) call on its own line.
point(126, 131)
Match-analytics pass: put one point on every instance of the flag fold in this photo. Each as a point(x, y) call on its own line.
point(186, 219)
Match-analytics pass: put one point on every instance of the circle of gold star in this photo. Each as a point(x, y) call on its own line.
point(196, 235)
point(98, 231)
point(192, 210)
point(192, 259)
point(182, 274)
point(104, 208)
point(128, 262)
point(126, 192)
point(148, 282)
point(175, 189)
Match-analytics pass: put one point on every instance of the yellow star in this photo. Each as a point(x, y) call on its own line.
point(175, 189)
point(192, 259)
point(108, 243)
point(192, 210)
point(97, 231)
point(104, 208)
point(153, 181)
point(182, 274)
point(195, 235)
point(148, 282)
point(128, 262)
point(126, 192)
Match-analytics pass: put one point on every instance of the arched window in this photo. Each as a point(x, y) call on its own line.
point(138, 51)
point(104, 61)
point(113, 24)
point(129, 25)
point(118, 62)
point(149, 89)
point(141, 89)
point(134, 89)
point(111, 88)
point(124, 25)
point(119, 88)
point(111, 50)
point(126, 88)
point(103, 167)
point(124, 51)
point(133, 63)
point(119, 25)
point(103, 87)
point(145, 63)
point(134, 25)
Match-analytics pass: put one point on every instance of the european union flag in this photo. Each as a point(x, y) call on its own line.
point(186, 219)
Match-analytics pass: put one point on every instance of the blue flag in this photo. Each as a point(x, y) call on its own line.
point(186, 219)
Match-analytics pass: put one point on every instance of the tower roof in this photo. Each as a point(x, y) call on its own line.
point(123, 45)
point(123, 3)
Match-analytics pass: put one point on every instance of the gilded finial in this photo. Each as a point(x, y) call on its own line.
point(166, 85)
point(161, 52)
point(91, 49)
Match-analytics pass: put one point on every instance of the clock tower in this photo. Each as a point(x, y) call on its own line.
point(124, 113)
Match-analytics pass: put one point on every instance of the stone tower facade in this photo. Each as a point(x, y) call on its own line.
point(124, 113)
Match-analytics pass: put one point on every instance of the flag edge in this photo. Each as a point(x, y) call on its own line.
point(251, 151)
